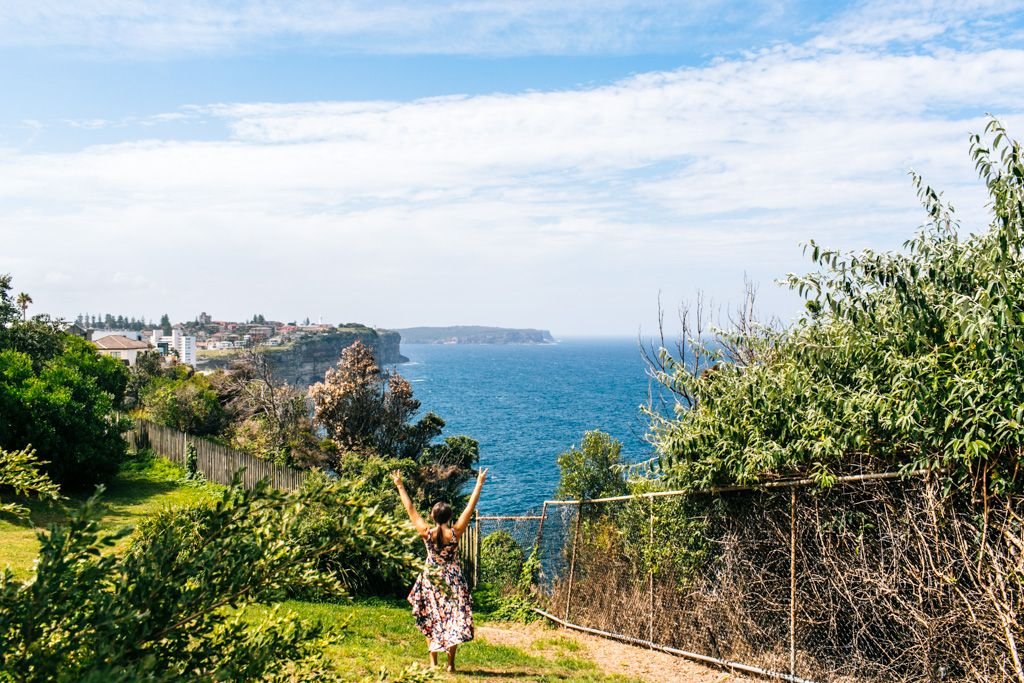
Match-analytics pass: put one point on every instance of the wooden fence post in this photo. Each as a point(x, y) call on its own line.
point(477, 541)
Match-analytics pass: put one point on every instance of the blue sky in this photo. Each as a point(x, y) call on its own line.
point(522, 164)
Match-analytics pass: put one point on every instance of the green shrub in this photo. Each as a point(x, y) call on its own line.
point(904, 360)
point(191, 462)
point(501, 560)
point(379, 561)
point(512, 600)
point(169, 608)
point(189, 404)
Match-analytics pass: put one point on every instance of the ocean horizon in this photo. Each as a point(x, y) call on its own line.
point(527, 403)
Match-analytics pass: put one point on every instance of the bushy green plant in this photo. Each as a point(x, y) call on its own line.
point(665, 535)
point(512, 600)
point(187, 403)
point(169, 608)
point(191, 461)
point(501, 560)
point(21, 473)
point(352, 556)
point(911, 359)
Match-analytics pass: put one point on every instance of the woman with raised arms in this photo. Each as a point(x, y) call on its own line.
point(440, 598)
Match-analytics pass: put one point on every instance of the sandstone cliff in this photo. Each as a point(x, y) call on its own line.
point(306, 361)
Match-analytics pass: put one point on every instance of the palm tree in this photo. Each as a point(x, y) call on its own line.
point(23, 301)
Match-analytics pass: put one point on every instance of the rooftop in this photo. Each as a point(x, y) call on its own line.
point(116, 342)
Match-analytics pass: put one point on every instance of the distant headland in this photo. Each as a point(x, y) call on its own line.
point(474, 334)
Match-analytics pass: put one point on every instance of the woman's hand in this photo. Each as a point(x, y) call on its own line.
point(483, 475)
point(396, 477)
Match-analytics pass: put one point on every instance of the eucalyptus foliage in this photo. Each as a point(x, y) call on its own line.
point(21, 473)
point(904, 360)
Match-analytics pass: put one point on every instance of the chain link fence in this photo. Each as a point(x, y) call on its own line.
point(877, 578)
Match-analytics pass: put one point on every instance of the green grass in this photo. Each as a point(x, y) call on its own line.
point(144, 486)
point(373, 633)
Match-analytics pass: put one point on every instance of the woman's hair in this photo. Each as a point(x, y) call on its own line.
point(441, 512)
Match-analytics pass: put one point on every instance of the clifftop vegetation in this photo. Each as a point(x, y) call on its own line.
point(905, 360)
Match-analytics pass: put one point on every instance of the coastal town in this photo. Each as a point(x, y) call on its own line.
point(191, 343)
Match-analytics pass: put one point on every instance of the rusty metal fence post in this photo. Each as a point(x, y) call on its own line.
point(792, 582)
point(572, 561)
point(650, 578)
point(540, 527)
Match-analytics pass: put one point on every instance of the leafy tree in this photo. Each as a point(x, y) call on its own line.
point(41, 338)
point(911, 359)
point(444, 469)
point(363, 408)
point(64, 412)
point(8, 309)
point(23, 303)
point(57, 395)
point(148, 366)
point(271, 418)
point(592, 470)
point(189, 403)
point(165, 324)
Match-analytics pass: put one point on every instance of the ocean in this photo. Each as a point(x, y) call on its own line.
point(525, 404)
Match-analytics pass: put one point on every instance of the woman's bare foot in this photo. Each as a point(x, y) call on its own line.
point(433, 660)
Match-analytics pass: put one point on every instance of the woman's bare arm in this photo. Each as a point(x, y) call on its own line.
point(410, 509)
point(467, 514)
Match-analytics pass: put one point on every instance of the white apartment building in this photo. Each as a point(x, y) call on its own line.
point(185, 345)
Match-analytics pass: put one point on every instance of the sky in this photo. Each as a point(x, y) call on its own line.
point(523, 164)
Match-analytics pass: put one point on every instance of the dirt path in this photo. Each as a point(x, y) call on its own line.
point(613, 657)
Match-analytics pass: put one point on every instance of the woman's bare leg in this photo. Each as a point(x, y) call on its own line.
point(451, 658)
point(433, 655)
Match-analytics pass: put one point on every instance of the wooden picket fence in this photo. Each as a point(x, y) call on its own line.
point(469, 552)
point(216, 462)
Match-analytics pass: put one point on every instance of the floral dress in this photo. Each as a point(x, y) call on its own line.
point(440, 597)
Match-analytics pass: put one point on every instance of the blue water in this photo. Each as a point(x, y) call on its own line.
point(526, 404)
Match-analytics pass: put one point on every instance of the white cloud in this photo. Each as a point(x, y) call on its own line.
point(391, 26)
point(919, 23)
point(568, 209)
point(154, 28)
